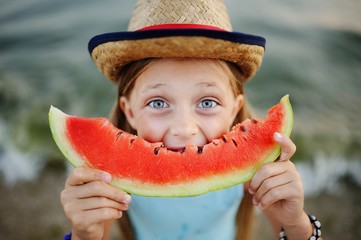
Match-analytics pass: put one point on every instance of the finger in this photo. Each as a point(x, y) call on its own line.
point(270, 183)
point(83, 205)
point(103, 214)
point(100, 202)
point(73, 206)
point(100, 189)
point(283, 192)
point(267, 171)
point(82, 220)
point(82, 175)
point(288, 147)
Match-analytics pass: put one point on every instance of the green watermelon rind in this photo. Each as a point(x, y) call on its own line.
point(57, 121)
point(215, 182)
point(287, 128)
point(186, 189)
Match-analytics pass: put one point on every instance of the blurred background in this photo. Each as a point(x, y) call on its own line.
point(313, 53)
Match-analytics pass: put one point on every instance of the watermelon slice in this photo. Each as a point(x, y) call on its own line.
point(149, 169)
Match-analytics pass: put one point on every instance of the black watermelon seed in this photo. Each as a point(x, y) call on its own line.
point(224, 139)
point(234, 142)
point(156, 150)
point(243, 129)
point(254, 121)
point(132, 140)
point(119, 134)
point(200, 150)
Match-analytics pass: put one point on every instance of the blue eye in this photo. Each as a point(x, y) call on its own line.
point(158, 103)
point(207, 103)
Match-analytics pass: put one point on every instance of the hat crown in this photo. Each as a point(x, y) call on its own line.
point(155, 12)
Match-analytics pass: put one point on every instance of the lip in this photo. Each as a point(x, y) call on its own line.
point(176, 149)
point(182, 149)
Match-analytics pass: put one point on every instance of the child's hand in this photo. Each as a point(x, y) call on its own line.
point(88, 201)
point(277, 187)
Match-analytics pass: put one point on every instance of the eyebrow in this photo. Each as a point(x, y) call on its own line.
point(159, 85)
point(207, 84)
point(153, 86)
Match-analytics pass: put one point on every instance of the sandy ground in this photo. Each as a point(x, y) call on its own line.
point(32, 210)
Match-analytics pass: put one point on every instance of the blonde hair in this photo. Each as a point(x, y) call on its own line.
point(126, 81)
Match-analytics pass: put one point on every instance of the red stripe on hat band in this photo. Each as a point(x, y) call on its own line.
point(181, 26)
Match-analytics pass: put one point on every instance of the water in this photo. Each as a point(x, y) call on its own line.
point(313, 53)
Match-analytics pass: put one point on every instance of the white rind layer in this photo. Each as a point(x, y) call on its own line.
point(57, 120)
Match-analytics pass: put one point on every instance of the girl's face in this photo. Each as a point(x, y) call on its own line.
point(181, 102)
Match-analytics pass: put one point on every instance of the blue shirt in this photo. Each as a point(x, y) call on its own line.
point(206, 217)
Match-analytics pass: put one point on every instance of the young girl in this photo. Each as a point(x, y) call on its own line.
point(183, 84)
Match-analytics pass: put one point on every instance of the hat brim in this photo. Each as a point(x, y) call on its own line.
point(111, 51)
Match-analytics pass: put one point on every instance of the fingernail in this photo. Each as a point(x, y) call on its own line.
point(106, 177)
point(127, 198)
point(278, 136)
point(254, 200)
point(251, 191)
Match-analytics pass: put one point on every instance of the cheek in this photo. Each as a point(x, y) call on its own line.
point(151, 130)
point(215, 129)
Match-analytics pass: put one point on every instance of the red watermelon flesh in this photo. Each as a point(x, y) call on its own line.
point(150, 169)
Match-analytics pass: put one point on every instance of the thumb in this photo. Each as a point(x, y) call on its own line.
point(288, 148)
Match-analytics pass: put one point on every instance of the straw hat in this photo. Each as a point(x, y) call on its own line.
point(173, 28)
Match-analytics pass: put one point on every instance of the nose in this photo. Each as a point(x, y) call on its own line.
point(184, 124)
